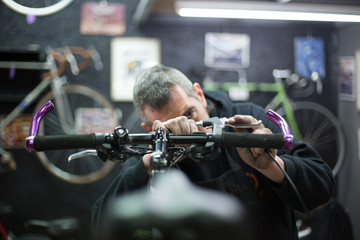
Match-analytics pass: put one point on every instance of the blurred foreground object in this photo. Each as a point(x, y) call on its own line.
point(174, 209)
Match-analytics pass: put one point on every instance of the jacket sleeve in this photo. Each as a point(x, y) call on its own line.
point(311, 175)
point(133, 176)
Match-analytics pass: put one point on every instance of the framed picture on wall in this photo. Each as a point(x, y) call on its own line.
point(128, 57)
point(103, 19)
point(309, 56)
point(357, 78)
point(227, 50)
point(347, 78)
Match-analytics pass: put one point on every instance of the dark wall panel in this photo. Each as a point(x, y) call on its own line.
point(272, 46)
point(32, 191)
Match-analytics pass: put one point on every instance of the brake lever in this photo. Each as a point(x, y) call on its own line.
point(82, 154)
point(209, 123)
point(241, 125)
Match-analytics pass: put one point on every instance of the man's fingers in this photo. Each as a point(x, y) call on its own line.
point(193, 126)
point(184, 124)
point(242, 119)
point(177, 125)
point(157, 124)
point(245, 119)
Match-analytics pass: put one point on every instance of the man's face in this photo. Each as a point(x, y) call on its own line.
point(180, 105)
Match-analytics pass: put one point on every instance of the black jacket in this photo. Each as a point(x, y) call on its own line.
point(270, 214)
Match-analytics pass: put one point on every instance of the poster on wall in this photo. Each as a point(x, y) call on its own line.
point(103, 18)
point(128, 57)
point(227, 50)
point(309, 56)
point(89, 120)
point(346, 78)
point(14, 134)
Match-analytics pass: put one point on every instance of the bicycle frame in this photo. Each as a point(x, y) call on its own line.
point(51, 79)
point(55, 84)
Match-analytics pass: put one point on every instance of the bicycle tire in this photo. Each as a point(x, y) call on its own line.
point(28, 7)
point(322, 130)
point(87, 169)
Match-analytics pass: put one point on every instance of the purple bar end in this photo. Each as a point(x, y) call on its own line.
point(278, 120)
point(35, 124)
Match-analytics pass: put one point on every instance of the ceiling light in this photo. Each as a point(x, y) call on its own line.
point(268, 11)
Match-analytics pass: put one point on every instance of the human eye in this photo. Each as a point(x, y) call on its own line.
point(190, 113)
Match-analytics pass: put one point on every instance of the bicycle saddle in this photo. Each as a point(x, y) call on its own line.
point(176, 209)
point(57, 228)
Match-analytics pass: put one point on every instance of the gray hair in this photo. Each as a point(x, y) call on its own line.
point(153, 87)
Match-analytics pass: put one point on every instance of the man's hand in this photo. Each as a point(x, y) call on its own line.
point(257, 157)
point(176, 125)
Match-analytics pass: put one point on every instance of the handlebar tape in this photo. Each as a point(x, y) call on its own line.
point(231, 139)
point(57, 142)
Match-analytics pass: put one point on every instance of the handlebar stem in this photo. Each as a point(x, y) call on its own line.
point(159, 155)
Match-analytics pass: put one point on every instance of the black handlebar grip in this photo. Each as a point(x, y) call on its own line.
point(57, 142)
point(231, 139)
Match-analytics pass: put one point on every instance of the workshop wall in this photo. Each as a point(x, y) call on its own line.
point(33, 192)
point(272, 46)
point(349, 194)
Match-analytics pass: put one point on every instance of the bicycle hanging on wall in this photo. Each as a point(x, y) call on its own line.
point(80, 109)
point(310, 122)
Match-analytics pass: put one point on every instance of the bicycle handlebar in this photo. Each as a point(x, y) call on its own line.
point(115, 145)
point(229, 139)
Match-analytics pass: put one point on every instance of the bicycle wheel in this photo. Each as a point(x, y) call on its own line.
point(37, 8)
point(322, 130)
point(89, 112)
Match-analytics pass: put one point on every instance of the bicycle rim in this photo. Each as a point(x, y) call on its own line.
point(92, 113)
point(37, 8)
point(322, 130)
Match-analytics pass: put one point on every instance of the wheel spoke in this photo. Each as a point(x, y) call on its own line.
point(320, 129)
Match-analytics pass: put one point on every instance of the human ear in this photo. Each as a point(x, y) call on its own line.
point(146, 127)
point(199, 93)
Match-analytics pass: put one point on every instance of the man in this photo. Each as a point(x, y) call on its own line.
point(164, 97)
